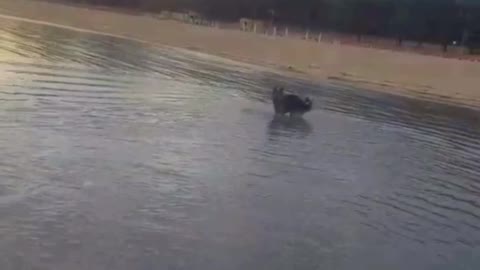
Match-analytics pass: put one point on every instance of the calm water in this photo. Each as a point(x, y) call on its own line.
point(117, 155)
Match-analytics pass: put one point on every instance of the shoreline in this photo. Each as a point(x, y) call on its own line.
point(424, 77)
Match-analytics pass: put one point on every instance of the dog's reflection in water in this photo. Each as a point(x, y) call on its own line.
point(285, 126)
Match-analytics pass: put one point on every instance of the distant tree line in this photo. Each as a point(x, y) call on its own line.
point(437, 21)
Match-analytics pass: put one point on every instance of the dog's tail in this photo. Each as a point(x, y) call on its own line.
point(277, 90)
point(277, 97)
point(308, 103)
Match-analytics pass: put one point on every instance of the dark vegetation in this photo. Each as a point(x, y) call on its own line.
point(434, 21)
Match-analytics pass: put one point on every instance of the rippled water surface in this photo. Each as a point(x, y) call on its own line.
point(119, 155)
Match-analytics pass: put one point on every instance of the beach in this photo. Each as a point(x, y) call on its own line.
point(402, 73)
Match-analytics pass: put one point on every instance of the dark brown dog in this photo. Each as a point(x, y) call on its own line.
point(289, 103)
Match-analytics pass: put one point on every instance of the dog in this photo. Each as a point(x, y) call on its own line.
point(289, 104)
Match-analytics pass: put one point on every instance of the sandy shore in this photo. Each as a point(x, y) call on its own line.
point(427, 77)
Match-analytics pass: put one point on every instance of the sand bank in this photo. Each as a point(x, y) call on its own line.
point(427, 77)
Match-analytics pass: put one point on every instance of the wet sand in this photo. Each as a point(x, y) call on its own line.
point(426, 77)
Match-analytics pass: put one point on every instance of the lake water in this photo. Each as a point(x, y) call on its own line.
point(119, 155)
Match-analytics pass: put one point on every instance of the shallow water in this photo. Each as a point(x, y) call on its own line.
point(118, 155)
